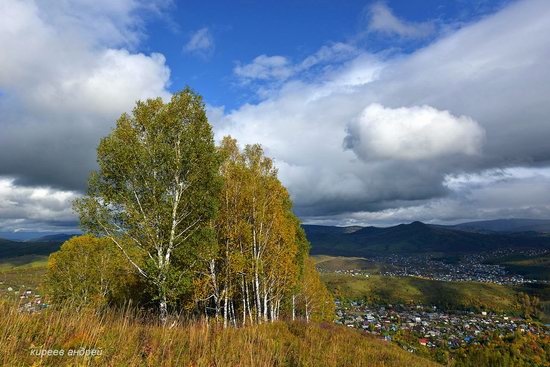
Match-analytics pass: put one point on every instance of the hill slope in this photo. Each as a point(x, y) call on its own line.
point(445, 295)
point(125, 340)
point(413, 238)
point(11, 249)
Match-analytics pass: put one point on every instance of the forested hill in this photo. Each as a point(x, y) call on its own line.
point(416, 237)
point(506, 225)
point(11, 249)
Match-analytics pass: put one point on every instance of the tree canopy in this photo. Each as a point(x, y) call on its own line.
point(207, 229)
point(89, 270)
point(156, 189)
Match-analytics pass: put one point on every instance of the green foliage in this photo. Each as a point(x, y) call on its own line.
point(529, 305)
point(205, 228)
point(88, 270)
point(315, 298)
point(259, 264)
point(156, 190)
point(515, 350)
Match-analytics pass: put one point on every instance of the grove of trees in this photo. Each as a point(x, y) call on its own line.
point(179, 224)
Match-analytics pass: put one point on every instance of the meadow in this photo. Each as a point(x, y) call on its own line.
point(130, 338)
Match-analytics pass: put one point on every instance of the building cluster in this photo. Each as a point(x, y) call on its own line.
point(430, 326)
point(353, 272)
point(471, 268)
point(29, 300)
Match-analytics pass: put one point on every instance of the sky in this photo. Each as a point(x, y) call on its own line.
point(375, 112)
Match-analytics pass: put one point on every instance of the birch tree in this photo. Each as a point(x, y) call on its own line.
point(260, 247)
point(156, 191)
point(316, 301)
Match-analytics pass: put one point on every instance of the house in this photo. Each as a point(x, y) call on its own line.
point(423, 341)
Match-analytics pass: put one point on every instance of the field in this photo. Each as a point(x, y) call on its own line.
point(333, 263)
point(410, 290)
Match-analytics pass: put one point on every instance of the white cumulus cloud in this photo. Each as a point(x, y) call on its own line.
point(412, 133)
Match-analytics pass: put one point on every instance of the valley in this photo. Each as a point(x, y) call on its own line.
point(442, 304)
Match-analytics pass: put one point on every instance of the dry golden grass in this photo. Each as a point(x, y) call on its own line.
point(126, 339)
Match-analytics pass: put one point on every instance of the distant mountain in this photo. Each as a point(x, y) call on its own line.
point(42, 245)
point(10, 249)
point(413, 238)
point(506, 225)
point(58, 237)
point(21, 235)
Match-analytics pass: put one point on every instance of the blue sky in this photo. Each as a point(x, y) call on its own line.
point(241, 30)
point(374, 112)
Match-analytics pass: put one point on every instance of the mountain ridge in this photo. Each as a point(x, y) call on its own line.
point(415, 238)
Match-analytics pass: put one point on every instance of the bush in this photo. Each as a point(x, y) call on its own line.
point(89, 270)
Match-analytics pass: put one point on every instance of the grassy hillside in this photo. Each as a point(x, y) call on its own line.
point(128, 339)
point(537, 267)
point(22, 272)
point(333, 263)
point(23, 262)
point(125, 339)
point(453, 295)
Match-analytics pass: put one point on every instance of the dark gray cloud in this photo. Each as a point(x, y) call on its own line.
point(65, 78)
point(66, 73)
point(35, 208)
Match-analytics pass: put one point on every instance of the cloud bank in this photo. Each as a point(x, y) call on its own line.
point(384, 134)
point(66, 73)
point(62, 92)
point(456, 130)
